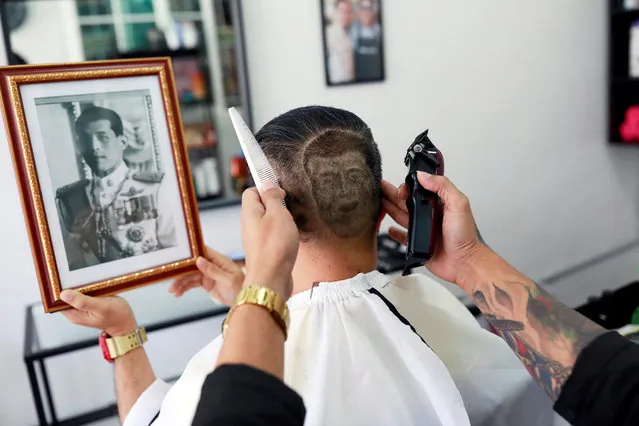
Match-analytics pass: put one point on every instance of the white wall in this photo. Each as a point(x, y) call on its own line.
point(514, 94)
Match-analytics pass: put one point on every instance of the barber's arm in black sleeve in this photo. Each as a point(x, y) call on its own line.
point(240, 395)
point(603, 388)
point(246, 388)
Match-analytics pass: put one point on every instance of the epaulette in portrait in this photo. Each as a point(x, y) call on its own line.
point(72, 187)
point(148, 177)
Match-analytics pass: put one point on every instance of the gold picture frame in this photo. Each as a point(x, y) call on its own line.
point(37, 206)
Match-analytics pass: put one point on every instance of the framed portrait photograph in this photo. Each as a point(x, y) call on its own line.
point(103, 173)
point(353, 41)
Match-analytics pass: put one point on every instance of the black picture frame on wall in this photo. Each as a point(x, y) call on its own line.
point(353, 41)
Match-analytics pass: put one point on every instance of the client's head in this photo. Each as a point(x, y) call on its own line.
point(329, 165)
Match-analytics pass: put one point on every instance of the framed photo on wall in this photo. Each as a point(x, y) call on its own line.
point(353, 41)
point(103, 173)
point(4, 54)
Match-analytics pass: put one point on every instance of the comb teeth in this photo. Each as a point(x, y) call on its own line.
point(267, 174)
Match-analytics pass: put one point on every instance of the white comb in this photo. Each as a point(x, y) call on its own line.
point(258, 164)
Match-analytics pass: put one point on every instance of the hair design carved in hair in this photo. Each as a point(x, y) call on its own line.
point(329, 165)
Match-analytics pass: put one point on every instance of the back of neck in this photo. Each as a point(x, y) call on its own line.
point(332, 261)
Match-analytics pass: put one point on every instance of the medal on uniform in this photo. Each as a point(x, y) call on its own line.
point(103, 232)
point(127, 252)
point(135, 233)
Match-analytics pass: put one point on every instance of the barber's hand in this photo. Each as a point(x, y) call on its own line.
point(218, 275)
point(460, 242)
point(111, 314)
point(270, 240)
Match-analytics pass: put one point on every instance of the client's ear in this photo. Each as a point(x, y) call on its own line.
point(382, 215)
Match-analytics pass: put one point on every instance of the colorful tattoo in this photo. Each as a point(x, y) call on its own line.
point(546, 335)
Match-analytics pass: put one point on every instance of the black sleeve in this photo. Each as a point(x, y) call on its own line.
point(240, 395)
point(603, 388)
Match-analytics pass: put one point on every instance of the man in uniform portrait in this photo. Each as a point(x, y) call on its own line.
point(117, 213)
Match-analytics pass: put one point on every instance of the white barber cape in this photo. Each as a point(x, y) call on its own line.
point(379, 350)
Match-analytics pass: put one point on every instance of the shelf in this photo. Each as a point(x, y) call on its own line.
point(624, 13)
point(180, 53)
point(617, 81)
point(624, 143)
point(219, 202)
point(205, 146)
point(197, 102)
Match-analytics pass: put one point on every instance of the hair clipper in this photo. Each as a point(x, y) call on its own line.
point(424, 209)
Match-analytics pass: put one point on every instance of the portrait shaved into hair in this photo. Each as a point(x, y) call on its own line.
point(340, 186)
point(329, 165)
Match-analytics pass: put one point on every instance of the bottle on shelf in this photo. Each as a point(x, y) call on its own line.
point(630, 4)
point(239, 173)
point(212, 177)
point(629, 129)
point(633, 54)
point(199, 179)
point(198, 85)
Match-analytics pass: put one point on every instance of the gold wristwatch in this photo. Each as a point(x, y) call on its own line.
point(116, 346)
point(266, 298)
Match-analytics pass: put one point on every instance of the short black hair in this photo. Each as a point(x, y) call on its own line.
point(96, 113)
point(330, 167)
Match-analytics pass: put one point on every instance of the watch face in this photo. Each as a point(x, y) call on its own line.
point(105, 348)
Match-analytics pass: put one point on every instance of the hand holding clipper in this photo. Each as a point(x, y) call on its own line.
point(424, 209)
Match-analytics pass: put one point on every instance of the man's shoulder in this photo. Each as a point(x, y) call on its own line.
point(148, 177)
point(71, 188)
point(419, 282)
point(428, 293)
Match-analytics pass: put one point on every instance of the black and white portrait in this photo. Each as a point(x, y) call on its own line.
point(106, 155)
point(107, 177)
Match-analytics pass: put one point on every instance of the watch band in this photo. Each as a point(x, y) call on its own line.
point(267, 299)
point(116, 346)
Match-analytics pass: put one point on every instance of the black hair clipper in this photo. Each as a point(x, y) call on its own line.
point(424, 210)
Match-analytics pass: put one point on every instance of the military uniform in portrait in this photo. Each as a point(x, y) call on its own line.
point(120, 215)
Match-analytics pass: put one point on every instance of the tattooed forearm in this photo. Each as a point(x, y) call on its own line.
point(546, 335)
